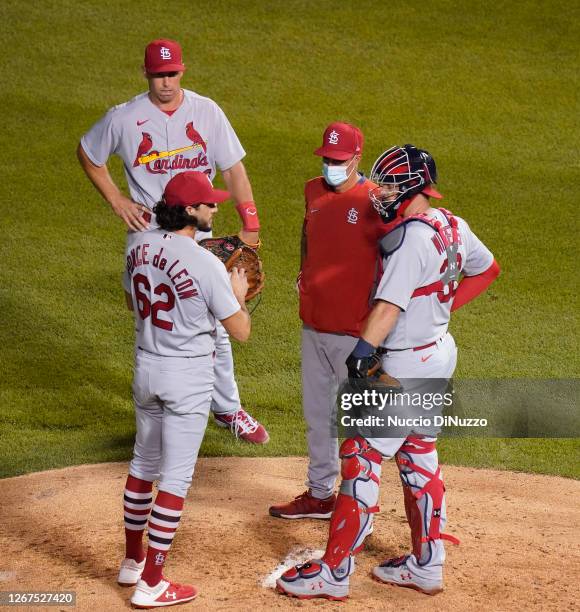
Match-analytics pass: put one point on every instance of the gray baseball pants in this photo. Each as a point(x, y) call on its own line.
point(323, 369)
point(172, 398)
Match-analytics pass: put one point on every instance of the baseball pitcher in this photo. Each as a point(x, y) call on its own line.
point(179, 292)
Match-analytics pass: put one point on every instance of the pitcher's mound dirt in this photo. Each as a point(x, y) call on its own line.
point(519, 538)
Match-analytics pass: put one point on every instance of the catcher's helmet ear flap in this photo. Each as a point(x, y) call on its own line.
point(403, 172)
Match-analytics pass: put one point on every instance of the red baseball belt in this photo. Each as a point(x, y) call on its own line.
point(382, 351)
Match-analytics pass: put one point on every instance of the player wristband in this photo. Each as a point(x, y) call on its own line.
point(363, 349)
point(249, 216)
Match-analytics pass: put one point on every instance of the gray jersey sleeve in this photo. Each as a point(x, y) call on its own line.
point(478, 256)
point(402, 275)
point(217, 290)
point(228, 149)
point(102, 140)
point(126, 281)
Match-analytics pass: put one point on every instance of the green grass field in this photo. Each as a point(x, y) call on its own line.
point(491, 90)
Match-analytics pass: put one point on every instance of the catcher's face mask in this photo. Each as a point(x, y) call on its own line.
point(386, 200)
point(401, 173)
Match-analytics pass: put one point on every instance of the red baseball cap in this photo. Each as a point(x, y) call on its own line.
point(341, 141)
point(163, 55)
point(191, 188)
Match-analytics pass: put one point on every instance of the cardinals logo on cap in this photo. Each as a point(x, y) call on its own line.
point(333, 137)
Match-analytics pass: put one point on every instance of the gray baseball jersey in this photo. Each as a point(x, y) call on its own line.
point(179, 290)
point(417, 263)
point(154, 146)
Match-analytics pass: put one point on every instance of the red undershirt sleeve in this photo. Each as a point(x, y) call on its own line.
point(472, 286)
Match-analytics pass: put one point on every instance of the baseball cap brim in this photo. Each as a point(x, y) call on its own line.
point(218, 196)
point(165, 68)
point(431, 192)
point(192, 188)
point(332, 153)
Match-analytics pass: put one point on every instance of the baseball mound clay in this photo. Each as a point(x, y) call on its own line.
point(63, 530)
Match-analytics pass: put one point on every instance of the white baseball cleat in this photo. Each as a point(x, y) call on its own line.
point(313, 579)
point(165, 593)
point(130, 572)
point(397, 572)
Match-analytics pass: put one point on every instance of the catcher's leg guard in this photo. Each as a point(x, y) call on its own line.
point(357, 500)
point(424, 499)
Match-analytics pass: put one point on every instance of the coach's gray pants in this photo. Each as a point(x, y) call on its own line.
point(323, 369)
point(172, 400)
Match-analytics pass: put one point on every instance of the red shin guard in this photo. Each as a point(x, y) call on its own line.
point(423, 529)
point(356, 501)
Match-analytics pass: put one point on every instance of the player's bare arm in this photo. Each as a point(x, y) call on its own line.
point(239, 325)
point(130, 212)
point(377, 327)
point(380, 322)
point(238, 184)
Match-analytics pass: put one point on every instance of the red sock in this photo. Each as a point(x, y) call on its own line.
point(163, 524)
point(137, 502)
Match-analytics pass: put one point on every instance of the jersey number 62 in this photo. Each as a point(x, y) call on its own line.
point(145, 307)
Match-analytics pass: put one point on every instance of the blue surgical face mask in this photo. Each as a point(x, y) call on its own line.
point(336, 175)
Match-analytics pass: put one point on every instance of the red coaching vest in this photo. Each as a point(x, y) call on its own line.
point(343, 262)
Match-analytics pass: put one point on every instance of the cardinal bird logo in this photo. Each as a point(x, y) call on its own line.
point(162, 162)
point(144, 147)
point(195, 136)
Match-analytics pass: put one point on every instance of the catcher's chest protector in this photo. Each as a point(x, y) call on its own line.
point(446, 240)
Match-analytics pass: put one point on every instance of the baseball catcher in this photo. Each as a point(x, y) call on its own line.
point(432, 264)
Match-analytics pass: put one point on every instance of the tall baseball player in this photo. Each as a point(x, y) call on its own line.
point(178, 291)
point(158, 134)
point(337, 213)
point(424, 253)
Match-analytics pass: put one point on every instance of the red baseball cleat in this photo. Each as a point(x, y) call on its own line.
point(243, 426)
point(163, 594)
point(305, 506)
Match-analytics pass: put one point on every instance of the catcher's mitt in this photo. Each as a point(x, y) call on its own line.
point(235, 252)
point(367, 373)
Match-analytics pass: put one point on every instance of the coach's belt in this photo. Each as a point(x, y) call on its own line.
point(383, 351)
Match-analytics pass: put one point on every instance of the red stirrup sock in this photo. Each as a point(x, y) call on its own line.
point(137, 501)
point(163, 524)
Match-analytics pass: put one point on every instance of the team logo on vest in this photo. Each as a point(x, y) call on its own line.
point(352, 216)
point(160, 162)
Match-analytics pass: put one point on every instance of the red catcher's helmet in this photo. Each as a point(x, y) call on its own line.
point(401, 173)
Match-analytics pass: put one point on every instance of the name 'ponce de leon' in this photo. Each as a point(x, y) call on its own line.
point(140, 257)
